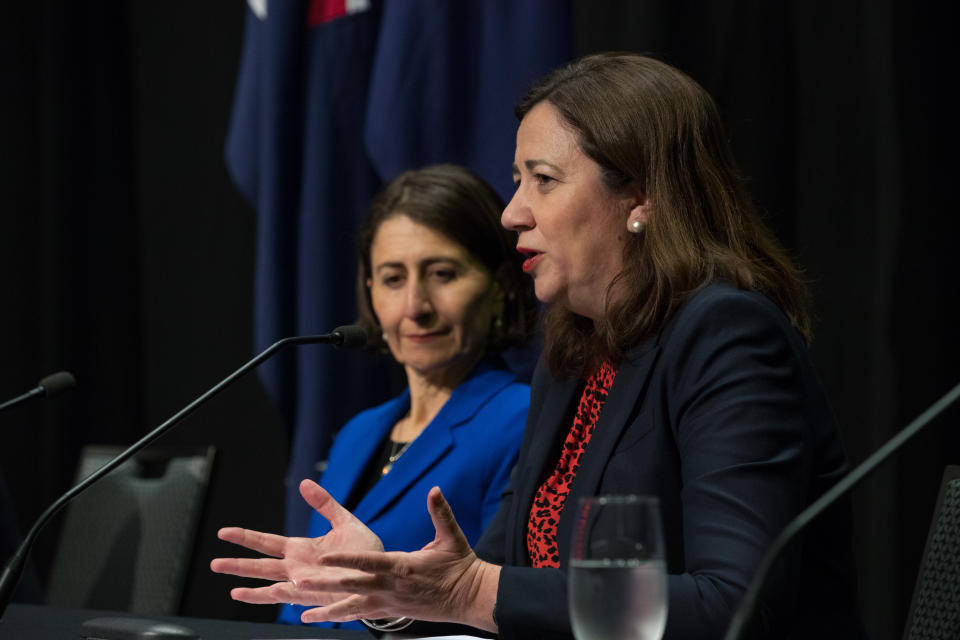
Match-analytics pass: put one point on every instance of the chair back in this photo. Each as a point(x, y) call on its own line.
point(935, 611)
point(127, 541)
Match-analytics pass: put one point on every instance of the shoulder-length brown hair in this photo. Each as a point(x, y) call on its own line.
point(647, 124)
point(461, 206)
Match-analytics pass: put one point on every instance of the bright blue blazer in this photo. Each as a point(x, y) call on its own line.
point(468, 450)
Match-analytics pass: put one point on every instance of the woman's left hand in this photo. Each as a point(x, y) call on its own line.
point(444, 581)
point(288, 558)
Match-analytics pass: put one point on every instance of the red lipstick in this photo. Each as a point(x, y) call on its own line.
point(532, 258)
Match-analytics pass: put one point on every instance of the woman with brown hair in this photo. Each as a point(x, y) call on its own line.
point(674, 365)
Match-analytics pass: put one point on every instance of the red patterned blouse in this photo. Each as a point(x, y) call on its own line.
point(552, 495)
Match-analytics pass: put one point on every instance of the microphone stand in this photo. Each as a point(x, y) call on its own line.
point(347, 336)
point(745, 611)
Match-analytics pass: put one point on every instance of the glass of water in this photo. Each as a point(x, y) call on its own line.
point(617, 575)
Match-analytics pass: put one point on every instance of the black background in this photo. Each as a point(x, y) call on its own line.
point(126, 255)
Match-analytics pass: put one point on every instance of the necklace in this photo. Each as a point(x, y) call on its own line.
point(396, 450)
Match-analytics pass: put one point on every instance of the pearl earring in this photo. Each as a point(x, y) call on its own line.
point(636, 226)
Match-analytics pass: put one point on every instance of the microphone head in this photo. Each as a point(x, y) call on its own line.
point(57, 382)
point(351, 336)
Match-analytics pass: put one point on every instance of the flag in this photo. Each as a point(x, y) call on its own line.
point(447, 75)
point(334, 97)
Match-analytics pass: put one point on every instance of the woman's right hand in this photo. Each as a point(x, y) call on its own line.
point(291, 558)
point(444, 581)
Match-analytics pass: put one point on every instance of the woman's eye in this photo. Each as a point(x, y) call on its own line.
point(542, 179)
point(444, 275)
point(392, 281)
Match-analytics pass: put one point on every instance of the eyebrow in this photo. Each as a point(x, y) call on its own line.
point(531, 164)
point(426, 262)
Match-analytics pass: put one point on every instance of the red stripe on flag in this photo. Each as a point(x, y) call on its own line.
point(325, 10)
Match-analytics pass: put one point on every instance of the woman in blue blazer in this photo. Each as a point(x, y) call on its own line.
point(674, 365)
point(440, 288)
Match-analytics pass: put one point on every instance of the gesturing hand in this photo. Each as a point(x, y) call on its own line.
point(291, 558)
point(443, 581)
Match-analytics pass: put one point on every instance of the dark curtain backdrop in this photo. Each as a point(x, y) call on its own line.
point(126, 254)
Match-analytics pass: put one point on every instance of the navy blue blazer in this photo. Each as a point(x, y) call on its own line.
point(723, 418)
point(468, 450)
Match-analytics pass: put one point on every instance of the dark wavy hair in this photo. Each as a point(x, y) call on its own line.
point(461, 206)
point(647, 124)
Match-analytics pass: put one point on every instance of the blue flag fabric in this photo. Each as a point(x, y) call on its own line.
point(295, 149)
point(334, 97)
point(448, 74)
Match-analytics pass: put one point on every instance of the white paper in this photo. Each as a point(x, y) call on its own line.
point(387, 636)
point(447, 637)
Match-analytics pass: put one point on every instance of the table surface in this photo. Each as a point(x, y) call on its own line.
point(37, 622)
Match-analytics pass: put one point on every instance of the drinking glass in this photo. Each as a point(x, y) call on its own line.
point(617, 574)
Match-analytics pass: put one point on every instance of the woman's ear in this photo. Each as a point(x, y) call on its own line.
point(639, 214)
point(499, 299)
point(498, 304)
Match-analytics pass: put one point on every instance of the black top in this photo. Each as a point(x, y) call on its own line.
point(373, 472)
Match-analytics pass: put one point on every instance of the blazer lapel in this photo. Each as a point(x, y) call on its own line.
point(618, 411)
point(344, 471)
point(435, 441)
point(552, 424)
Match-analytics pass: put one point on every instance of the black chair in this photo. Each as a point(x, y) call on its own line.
point(127, 541)
point(935, 610)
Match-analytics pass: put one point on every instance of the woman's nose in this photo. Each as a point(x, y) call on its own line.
point(516, 216)
point(418, 306)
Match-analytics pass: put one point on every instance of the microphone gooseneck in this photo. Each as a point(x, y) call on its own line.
point(347, 336)
point(744, 612)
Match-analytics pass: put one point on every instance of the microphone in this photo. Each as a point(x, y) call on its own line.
point(49, 386)
point(351, 336)
point(744, 612)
